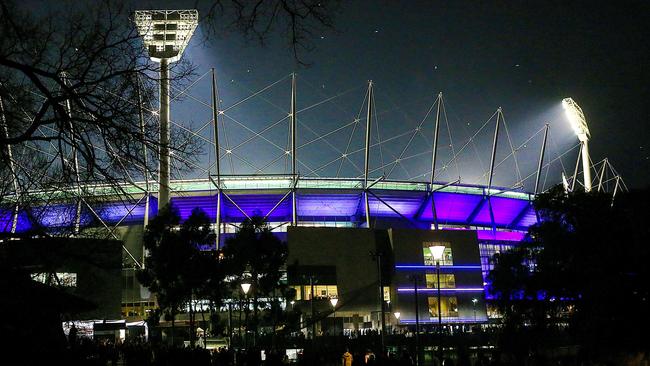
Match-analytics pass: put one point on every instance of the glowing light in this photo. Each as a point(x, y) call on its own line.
point(166, 33)
point(463, 289)
point(245, 287)
point(419, 266)
point(397, 314)
point(437, 251)
point(576, 118)
point(334, 301)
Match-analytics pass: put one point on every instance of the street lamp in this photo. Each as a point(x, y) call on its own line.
point(579, 124)
point(437, 254)
point(245, 287)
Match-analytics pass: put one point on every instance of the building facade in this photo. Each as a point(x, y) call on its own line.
point(332, 238)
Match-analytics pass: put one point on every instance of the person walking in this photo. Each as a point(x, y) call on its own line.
point(346, 359)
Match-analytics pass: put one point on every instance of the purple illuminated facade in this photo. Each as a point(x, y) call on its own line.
point(499, 218)
point(317, 200)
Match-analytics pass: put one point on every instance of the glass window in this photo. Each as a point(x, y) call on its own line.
point(61, 279)
point(446, 280)
point(449, 306)
point(386, 293)
point(321, 292)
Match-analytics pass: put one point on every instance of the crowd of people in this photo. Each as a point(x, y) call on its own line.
point(361, 350)
point(138, 352)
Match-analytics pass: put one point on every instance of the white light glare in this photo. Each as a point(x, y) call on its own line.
point(576, 118)
point(436, 251)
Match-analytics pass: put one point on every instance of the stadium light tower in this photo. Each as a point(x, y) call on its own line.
point(579, 124)
point(165, 34)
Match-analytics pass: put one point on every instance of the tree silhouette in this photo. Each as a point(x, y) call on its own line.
point(176, 269)
point(255, 254)
point(585, 264)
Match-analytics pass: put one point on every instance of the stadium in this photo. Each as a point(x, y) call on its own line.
point(333, 192)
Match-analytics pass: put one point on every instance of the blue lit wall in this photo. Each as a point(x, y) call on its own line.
point(317, 205)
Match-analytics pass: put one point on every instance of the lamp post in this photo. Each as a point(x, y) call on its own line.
point(378, 257)
point(437, 253)
point(229, 324)
point(414, 278)
point(474, 301)
point(245, 287)
point(334, 301)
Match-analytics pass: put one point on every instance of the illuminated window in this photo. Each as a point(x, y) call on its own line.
point(446, 280)
point(386, 293)
point(447, 259)
point(449, 306)
point(137, 309)
point(321, 292)
point(60, 279)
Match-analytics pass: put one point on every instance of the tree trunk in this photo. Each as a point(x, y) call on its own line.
point(192, 332)
point(173, 326)
point(205, 327)
point(255, 310)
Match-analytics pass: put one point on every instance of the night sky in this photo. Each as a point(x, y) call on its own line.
point(523, 57)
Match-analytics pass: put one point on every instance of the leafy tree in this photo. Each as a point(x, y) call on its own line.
point(584, 263)
point(176, 269)
point(255, 254)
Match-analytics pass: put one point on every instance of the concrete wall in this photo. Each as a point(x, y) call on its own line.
point(97, 263)
point(348, 250)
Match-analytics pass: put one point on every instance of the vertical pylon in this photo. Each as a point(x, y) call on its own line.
point(434, 155)
point(217, 155)
point(367, 154)
point(586, 165)
point(294, 173)
point(575, 171)
point(164, 169)
point(601, 176)
point(75, 162)
point(145, 163)
point(541, 159)
point(616, 188)
point(492, 160)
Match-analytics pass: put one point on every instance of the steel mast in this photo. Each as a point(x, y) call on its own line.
point(367, 155)
point(165, 34)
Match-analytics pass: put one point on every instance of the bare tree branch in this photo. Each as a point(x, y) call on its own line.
point(297, 21)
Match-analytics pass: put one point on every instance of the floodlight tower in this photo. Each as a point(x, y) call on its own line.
point(165, 33)
point(579, 124)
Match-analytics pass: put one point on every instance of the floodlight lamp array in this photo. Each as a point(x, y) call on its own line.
point(576, 118)
point(166, 33)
